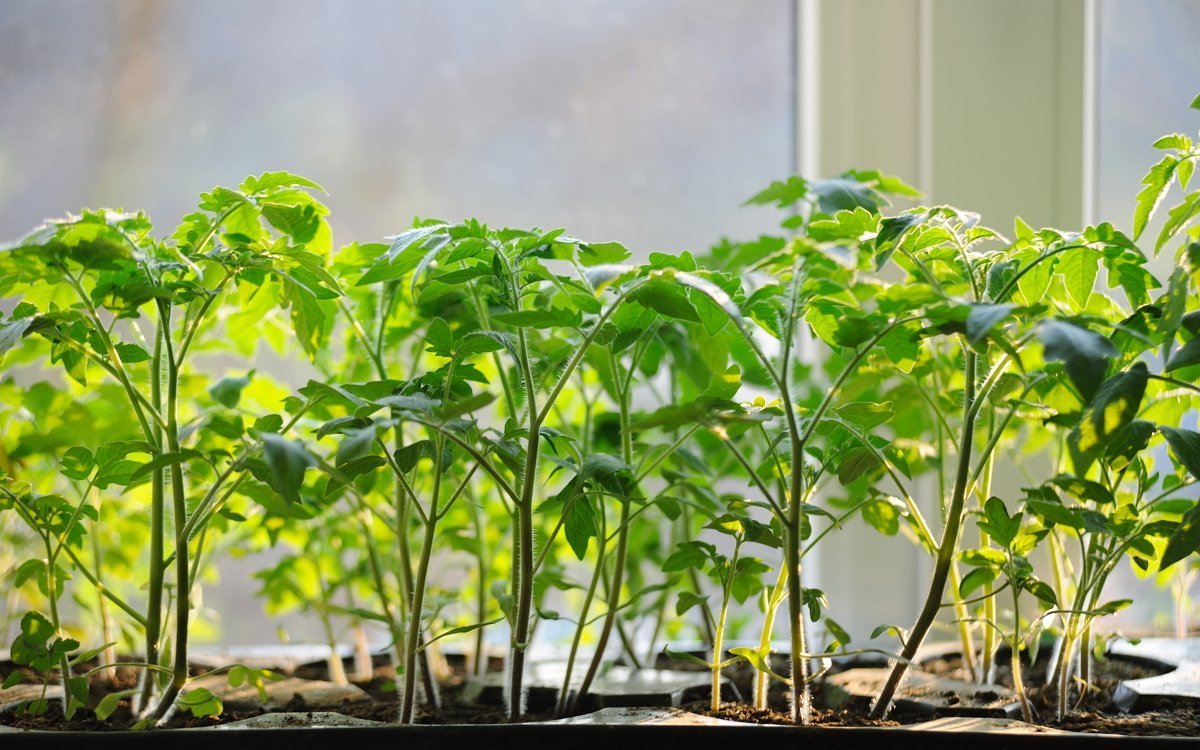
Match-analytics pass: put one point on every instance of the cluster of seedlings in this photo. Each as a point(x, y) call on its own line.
point(644, 452)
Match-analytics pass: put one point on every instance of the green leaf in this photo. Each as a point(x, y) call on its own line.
point(14, 678)
point(471, 403)
point(667, 299)
point(1113, 408)
point(11, 334)
point(287, 461)
point(110, 703)
point(86, 656)
point(1185, 540)
point(35, 568)
point(1078, 268)
point(228, 391)
point(163, 461)
point(1177, 218)
point(406, 253)
point(1055, 512)
point(1085, 353)
point(602, 253)
point(1042, 591)
point(274, 180)
point(77, 463)
point(1129, 441)
point(1084, 489)
point(579, 524)
point(200, 702)
point(1185, 356)
point(1113, 607)
point(356, 444)
point(687, 555)
point(997, 524)
point(548, 318)
point(974, 580)
point(884, 515)
point(782, 194)
point(1157, 181)
point(131, 354)
point(984, 317)
point(892, 231)
point(1185, 446)
point(866, 414)
point(687, 600)
point(855, 463)
point(36, 629)
point(439, 339)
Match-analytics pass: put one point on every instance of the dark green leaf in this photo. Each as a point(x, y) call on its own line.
point(228, 391)
point(287, 461)
point(1185, 446)
point(984, 317)
point(1113, 408)
point(1084, 353)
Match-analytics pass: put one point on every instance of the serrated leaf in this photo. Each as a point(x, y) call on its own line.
point(1157, 181)
point(1177, 218)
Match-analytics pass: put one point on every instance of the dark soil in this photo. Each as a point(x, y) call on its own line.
point(1095, 714)
point(821, 717)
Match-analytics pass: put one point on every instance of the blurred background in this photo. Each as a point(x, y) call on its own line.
point(643, 121)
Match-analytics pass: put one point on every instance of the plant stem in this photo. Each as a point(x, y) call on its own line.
point(157, 528)
point(416, 614)
point(482, 561)
point(523, 539)
point(597, 569)
point(109, 655)
point(618, 575)
point(719, 630)
point(772, 601)
point(1015, 647)
point(337, 670)
point(179, 675)
point(946, 550)
point(52, 590)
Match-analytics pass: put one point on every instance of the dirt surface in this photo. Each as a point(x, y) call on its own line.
point(821, 717)
point(1096, 713)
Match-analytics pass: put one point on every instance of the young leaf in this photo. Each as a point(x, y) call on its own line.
point(687, 600)
point(200, 702)
point(1156, 182)
point(1177, 218)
